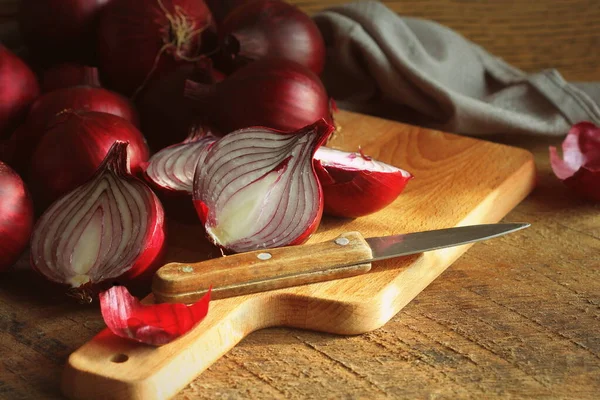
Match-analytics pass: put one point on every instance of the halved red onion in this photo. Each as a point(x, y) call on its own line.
point(256, 188)
point(153, 324)
point(355, 184)
point(579, 168)
point(110, 229)
point(172, 169)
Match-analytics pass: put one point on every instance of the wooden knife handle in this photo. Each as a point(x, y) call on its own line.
point(263, 270)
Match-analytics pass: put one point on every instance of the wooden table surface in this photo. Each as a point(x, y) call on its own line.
point(507, 320)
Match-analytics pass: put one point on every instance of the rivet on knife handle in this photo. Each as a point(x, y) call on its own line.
point(263, 270)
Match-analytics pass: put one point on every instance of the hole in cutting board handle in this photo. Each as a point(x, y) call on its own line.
point(119, 358)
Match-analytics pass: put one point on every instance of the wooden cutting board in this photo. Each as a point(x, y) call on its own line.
point(457, 181)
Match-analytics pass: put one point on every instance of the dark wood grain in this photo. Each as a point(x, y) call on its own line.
point(518, 318)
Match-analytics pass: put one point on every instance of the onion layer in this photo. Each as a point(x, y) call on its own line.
point(153, 324)
point(45, 109)
point(110, 229)
point(140, 40)
point(18, 89)
point(256, 188)
point(272, 28)
point(355, 185)
point(579, 168)
point(16, 216)
point(275, 93)
point(73, 148)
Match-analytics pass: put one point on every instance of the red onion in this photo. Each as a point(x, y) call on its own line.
point(172, 169)
point(45, 109)
point(275, 93)
point(73, 148)
point(16, 216)
point(110, 229)
point(69, 75)
point(18, 89)
point(579, 168)
point(256, 188)
point(166, 114)
point(153, 324)
point(220, 8)
point(60, 30)
point(272, 28)
point(140, 40)
point(355, 185)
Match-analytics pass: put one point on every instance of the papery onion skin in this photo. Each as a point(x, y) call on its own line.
point(68, 75)
point(140, 40)
point(579, 168)
point(167, 115)
point(45, 109)
point(74, 147)
point(18, 89)
point(352, 190)
point(275, 93)
point(290, 205)
point(153, 324)
point(16, 216)
point(59, 231)
point(60, 30)
point(272, 28)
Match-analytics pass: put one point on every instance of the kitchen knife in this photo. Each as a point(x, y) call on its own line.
point(348, 255)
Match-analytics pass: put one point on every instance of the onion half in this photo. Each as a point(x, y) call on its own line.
point(274, 92)
point(110, 229)
point(579, 168)
point(139, 40)
point(73, 148)
point(256, 188)
point(355, 184)
point(16, 216)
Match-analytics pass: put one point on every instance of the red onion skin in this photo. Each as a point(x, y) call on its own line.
point(45, 109)
point(18, 89)
point(145, 265)
point(16, 216)
point(354, 193)
point(221, 8)
point(274, 93)
point(272, 28)
point(68, 75)
point(74, 147)
point(60, 30)
point(137, 43)
point(167, 115)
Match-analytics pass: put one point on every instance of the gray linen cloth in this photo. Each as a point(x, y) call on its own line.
point(423, 73)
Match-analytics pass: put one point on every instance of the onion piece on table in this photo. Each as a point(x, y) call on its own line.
point(110, 229)
point(73, 148)
point(153, 324)
point(18, 89)
point(68, 75)
point(256, 188)
point(16, 216)
point(271, 28)
point(579, 168)
point(273, 92)
point(355, 184)
point(140, 40)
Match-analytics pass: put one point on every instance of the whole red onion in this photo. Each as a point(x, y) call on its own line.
point(16, 216)
point(68, 75)
point(272, 28)
point(18, 89)
point(140, 40)
point(73, 148)
point(46, 107)
point(220, 8)
point(109, 229)
point(273, 92)
point(60, 30)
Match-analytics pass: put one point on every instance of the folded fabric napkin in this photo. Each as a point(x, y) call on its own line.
point(420, 72)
